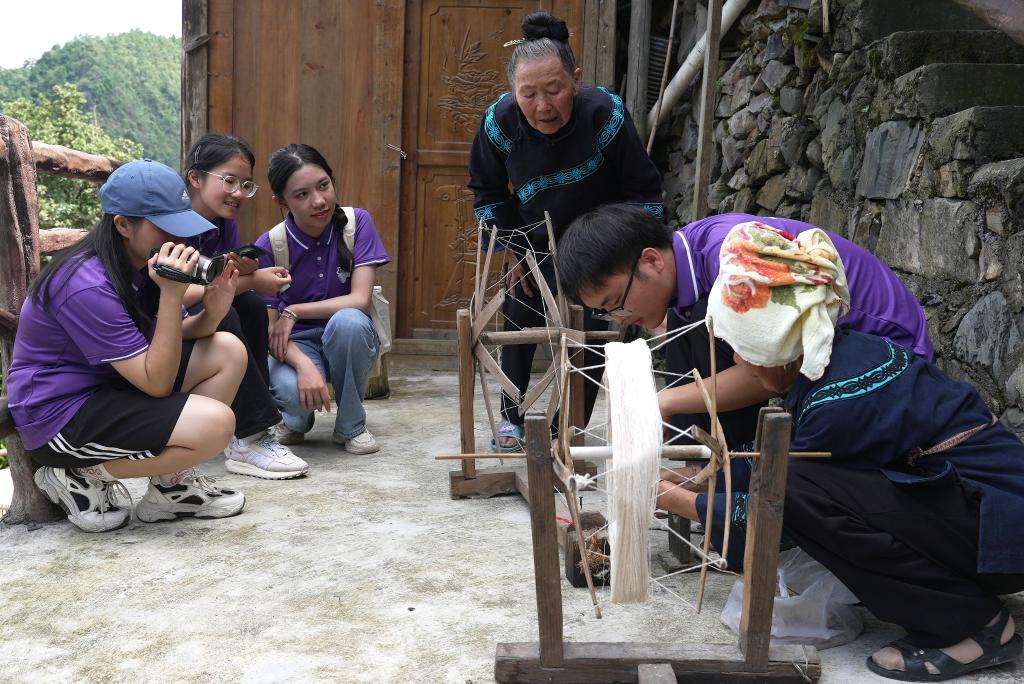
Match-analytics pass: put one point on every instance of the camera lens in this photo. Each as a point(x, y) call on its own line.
point(208, 269)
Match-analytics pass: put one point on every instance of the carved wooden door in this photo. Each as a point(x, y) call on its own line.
point(454, 68)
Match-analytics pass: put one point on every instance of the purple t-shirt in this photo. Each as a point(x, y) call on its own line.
point(315, 272)
point(221, 239)
point(881, 304)
point(62, 355)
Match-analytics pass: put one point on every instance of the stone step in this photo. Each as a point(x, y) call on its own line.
point(1000, 186)
point(904, 51)
point(978, 134)
point(865, 21)
point(940, 89)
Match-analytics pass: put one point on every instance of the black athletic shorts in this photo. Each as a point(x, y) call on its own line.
point(117, 421)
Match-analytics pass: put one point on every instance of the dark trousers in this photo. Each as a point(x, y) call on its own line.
point(908, 552)
point(689, 351)
point(253, 406)
point(521, 312)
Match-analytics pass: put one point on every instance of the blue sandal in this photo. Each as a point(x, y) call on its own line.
point(508, 429)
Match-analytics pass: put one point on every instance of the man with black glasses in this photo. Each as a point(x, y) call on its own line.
point(629, 267)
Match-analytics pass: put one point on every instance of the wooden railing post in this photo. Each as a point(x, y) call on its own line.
point(19, 263)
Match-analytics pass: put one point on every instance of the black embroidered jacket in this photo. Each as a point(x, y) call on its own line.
point(595, 159)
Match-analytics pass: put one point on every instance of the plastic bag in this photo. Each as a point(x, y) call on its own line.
point(813, 607)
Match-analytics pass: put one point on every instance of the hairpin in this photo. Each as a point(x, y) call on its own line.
point(517, 41)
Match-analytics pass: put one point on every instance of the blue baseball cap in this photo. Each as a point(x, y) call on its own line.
point(155, 192)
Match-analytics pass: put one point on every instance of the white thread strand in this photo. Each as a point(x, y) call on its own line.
point(636, 455)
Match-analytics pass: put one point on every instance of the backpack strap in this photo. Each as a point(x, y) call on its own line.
point(279, 245)
point(349, 233)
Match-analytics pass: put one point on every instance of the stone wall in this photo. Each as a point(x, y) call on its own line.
point(903, 132)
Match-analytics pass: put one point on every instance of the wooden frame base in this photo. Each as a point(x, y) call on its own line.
point(594, 662)
point(551, 659)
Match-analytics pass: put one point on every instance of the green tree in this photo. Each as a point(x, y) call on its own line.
point(131, 82)
point(62, 120)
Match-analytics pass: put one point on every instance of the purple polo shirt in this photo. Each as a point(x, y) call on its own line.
point(316, 275)
point(221, 239)
point(61, 356)
point(881, 304)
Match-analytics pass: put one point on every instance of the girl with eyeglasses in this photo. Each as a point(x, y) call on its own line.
point(219, 180)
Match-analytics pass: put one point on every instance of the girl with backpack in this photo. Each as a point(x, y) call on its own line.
point(320, 327)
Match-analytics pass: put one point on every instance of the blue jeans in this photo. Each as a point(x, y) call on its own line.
point(343, 351)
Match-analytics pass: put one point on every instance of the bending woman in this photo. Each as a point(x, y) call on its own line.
point(918, 510)
point(219, 178)
point(107, 381)
point(563, 149)
point(320, 330)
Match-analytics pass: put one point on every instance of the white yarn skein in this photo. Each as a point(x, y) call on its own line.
point(633, 473)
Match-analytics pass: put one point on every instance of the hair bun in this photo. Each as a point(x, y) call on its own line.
point(538, 25)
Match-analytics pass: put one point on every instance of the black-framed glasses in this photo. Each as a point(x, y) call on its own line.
point(619, 311)
point(232, 184)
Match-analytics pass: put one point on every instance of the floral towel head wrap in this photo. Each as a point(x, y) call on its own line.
point(778, 296)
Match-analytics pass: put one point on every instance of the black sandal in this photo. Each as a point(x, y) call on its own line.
point(915, 658)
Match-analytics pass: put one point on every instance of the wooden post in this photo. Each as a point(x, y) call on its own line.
point(636, 65)
point(764, 528)
point(577, 408)
point(19, 263)
point(539, 467)
point(467, 428)
point(706, 136)
point(598, 58)
point(194, 72)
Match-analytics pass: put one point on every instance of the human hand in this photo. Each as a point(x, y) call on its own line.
point(269, 281)
point(220, 293)
point(313, 392)
point(280, 332)
point(245, 265)
point(178, 256)
point(517, 275)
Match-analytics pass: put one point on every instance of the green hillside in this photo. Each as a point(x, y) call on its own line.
point(131, 81)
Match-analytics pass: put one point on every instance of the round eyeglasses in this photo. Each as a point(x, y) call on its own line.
point(233, 184)
point(619, 311)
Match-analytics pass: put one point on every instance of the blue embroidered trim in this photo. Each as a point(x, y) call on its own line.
point(494, 131)
point(656, 209)
point(567, 176)
point(739, 511)
point(851, 388)
point(486, 211)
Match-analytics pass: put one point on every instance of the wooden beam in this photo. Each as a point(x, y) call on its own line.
point(484, 484)
point(547, 336)
point(53, 240)
point(636, 65)
point(706, 136)
point(467, 427)
point(545, 540)
point(577, 386)
point(194, 72)
point(651, 673)
point(764, 528)
point(19, 263)
point(597, 662)
point(58, 160)
point(484, 315)
point(221, 60)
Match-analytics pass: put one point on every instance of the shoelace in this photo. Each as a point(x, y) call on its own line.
point(201, 481)
point(110, 489)
point(269, 442)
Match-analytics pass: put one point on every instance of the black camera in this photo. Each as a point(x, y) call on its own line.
point(205, 272)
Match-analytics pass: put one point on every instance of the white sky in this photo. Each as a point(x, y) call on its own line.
point(35, 26)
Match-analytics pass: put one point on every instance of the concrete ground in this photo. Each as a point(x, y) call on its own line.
point(364, 571)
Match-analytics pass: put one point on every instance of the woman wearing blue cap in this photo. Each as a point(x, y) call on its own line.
point(108, 381)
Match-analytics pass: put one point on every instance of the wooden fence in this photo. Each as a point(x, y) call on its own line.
point(21, 246)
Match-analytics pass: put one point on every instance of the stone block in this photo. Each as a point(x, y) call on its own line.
point(741, 123)
point(739, 179)
point(771, 192)
point(758, 103)
point(741, 202)
point(791, 100)
point(994, 220)
point(934, 238)
point(1001, 183)
point(990, 266)
point(904, 51)
point(953, 178)
point(801, 181)
point(979, 134)
point(843, 171)
point(776, 74)
point(757, 163)
point(792, 137)
point(773, 49)
point(734, 153)
point(890, 154)
point(741, 93)
point(828, 214)
point(941, 89)
point(814, 153)
point(865, 21)
point(989, 336)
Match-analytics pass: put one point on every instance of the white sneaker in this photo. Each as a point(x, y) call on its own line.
point(363, 443)
point(285, 435)
point(89, 503)
point(264, 457)
point(194, 496)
